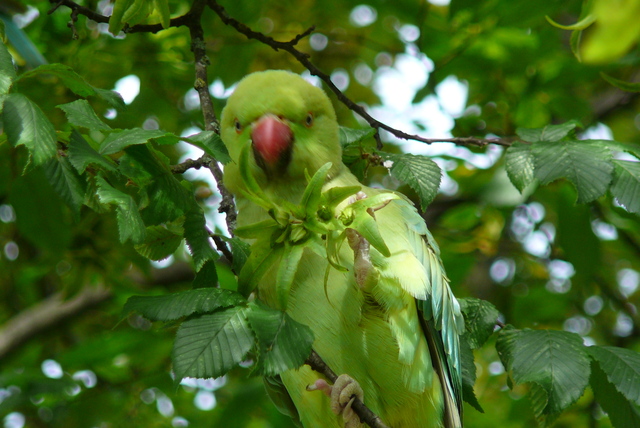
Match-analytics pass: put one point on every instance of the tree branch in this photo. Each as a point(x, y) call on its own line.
point(47, 314)
point(364, 413)
point(303, 58)
point(201, 85)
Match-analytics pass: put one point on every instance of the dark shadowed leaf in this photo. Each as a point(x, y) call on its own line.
point(353, 136)
point(66, 181)
point(468, 375)
point(197, 236)
point(81, 154)
point(622, 367)
point(159, 243)
point(212, 145)
point(177, 305)
point(7, 70)
point(130, 223)
point(480, 319)
point(622, 412)
point(117, 141)
point(283, 343)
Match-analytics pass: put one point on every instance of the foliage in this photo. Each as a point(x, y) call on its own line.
point(93, 188)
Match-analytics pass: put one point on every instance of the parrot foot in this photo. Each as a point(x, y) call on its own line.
point(342, 394)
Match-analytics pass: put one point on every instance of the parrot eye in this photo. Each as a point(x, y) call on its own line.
point(308, 121)
point(238, 126)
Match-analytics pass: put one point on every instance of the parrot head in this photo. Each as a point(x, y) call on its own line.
point(289, 125)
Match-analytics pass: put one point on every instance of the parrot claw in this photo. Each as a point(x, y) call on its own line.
point(342, 394)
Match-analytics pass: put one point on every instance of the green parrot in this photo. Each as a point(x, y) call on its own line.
point(381, 310)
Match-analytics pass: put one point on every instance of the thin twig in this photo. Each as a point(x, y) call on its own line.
point(303, 58)
point(364, 413)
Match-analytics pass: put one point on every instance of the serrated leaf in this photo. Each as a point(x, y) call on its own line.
point(211, 144)
point(80, 113)
point(159, 243)
point(283, 343)
point(480, 319)
point(81, 154)
point(555, 360)
point(66, 182)
point(519, 165)
point(586, 163)
point(69, 78)
point(168, 199)
point(623, 414)
point(240, 251)
point(120, 140)
point(626, 184)
point(353, 136)
point(177, 305)
point(421, 174)
point(25, 124)
point(549, 133)
point(622, 367)
point(207, 276)
point(212, 344)
point(468, 372)
point(130, 224)
point(7, 70)
point(197, 237)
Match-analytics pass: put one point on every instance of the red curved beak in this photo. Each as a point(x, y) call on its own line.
point(272, 141)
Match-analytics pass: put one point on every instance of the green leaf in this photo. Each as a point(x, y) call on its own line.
point(26, 124)
point(115, 20)
point(480, 319)
point(168, 199)
point(81, 154)
point(120, 140)
point(621, 412)
point(549, 133)
point(353, 136)
point(212, 344)
point(283, 343)
point(261, 259)
point(207, 276)
point(197, 237)
point(468, 375)
point(240, 251)
point(621, 84)
point(622, 367)
point(519, 165)
point(312, 193)
point(177, 305)
point(162, 6)
point(80, 113)
point(69, 78)
point(580, 25)
point(286, 272)
point(113, 98)
point(212, 145)
point(7, 70)
point(555, 360)
point(159, 243)
point(587, 164)
point(421, 174)
point(66, 182)
point(626, 184)
point(130, 223)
